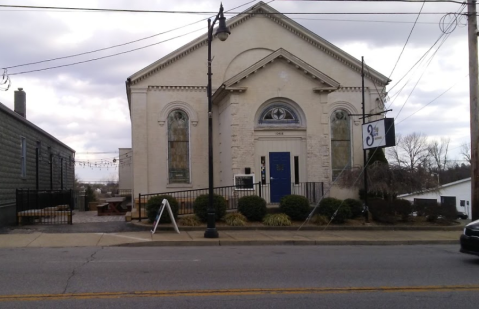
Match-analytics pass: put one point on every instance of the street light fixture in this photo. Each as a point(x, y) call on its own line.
point(222, 33)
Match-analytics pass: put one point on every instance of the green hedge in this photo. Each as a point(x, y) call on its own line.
point(295, 206)
point(252, 207)
point(154, 204)
point(330, 206)
point(200, 207)
point(356, 207)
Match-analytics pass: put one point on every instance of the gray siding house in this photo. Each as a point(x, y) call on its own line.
point(30, 158)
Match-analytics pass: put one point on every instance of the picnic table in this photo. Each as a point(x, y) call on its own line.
point(112, 206)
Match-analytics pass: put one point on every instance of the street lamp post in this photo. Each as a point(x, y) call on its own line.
point(222, 32)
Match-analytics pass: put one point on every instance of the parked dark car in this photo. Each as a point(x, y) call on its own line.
point(461, 215)
point(470, 238)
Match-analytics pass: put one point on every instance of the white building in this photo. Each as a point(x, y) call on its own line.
point(281, 109)
point(457, 193)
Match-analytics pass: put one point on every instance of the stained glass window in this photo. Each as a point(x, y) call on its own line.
point(178, 147)
point(340, 142)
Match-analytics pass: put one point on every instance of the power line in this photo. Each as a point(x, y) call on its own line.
point(104, 57)
point(402, 120)
point(407, 40)
point(421, 59)
point(118, 45)
point(210, 12)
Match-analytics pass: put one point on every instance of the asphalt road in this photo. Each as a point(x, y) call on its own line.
point(435, 276)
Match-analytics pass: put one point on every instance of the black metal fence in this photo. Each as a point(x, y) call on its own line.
point(313, 191)
point(44, 206)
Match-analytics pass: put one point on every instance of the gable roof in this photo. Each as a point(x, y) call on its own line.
point(282, 20)
point(23, 120)
point(282, 54)
point(326, 83)
point(439, 188)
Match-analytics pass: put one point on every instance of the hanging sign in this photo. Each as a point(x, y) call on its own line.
point(379, 134)
point(164, 204)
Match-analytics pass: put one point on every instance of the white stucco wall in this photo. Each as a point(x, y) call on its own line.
point(125, 169)
point(235, 141)
point(460, 189)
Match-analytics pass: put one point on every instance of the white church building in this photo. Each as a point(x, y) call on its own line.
point(284, 101)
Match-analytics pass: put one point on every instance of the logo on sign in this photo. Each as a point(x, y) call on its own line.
point(373, 132)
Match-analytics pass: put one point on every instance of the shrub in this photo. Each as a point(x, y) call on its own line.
point(448, 212)
point(90, 195)
point(295, 206)
point(356, 207)
point(189, 221)
point(381, 211)
point(277, 220)
point(320, 220)
point(235, 219)
point(402, 208)
point(252, 207)
point(200, 206)
point(330, 206)
point(154, 204)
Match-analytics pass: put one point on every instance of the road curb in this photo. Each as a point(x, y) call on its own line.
point(214, 243)
point(305, 228)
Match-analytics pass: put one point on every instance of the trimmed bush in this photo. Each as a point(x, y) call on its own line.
point(252, 207)
point(277, 220)
point(235, 219)
point(448, 212)
point(319, 220)
point(200, 207)
point(154, 204)
point(402, 208)
point(295, 206)
point(330, 206)
point(356, 207)
point(189, 221)
point(381, 211)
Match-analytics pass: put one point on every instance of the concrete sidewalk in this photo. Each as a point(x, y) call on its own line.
point(41, 239)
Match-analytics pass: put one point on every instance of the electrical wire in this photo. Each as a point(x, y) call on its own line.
point(417, 111)
point(118, 45)
point(407, 40)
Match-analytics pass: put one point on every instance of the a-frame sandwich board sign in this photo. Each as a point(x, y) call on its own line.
point(164, 204)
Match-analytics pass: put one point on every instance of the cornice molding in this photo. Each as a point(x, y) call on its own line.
point(177, 88)
point(351, 89)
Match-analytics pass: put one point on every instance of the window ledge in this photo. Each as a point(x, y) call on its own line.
point(179, 185)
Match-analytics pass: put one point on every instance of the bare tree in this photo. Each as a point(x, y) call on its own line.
point(438, 153)
point(410, 151)
point(466, 152)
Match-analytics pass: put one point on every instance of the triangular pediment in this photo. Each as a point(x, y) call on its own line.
point(325, 83)
point(280, 19)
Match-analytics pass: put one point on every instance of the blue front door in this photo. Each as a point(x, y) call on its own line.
point(280, 175)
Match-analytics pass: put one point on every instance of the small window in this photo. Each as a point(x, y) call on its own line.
point(296, 169)
point(463, 203)
point(23, 158)
point(39, 147)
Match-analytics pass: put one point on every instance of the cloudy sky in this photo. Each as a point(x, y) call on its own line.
point(85, 105)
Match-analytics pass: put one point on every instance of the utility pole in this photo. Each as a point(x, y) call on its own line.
point(365, 159)
point(473, 94)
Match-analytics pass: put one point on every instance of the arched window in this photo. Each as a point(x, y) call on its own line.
point(178, 147)
point(279, 113)
point(340, 142)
